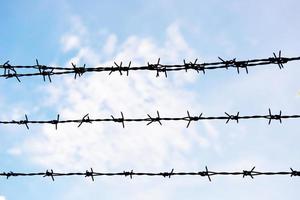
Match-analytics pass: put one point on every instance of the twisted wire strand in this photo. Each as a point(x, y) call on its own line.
point(154, 119)
point(10, 71)
point(205, 173)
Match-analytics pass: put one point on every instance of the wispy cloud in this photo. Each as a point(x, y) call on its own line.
point(70, 42)
point(109, 146)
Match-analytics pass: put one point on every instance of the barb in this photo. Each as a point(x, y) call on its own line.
point(9, 71)
point(151, 120)
point(44, 71)
point(158, 67)
point(206, 173)
point(156, 119)
point(275, 117)
point(25, 122)
point(90, 174)
point(49, 174)
point(85, 119)
point(194, 66)
point(242, 64)
point(248, 173)
point(48, 71)
point(294, 173)
point(121, 120)
point(190, 119)
point(228, 63)
point(279, 60)
point(118, 68)
point(78, 70)
point(55, 122)
point(130, 174)
point(232, 117)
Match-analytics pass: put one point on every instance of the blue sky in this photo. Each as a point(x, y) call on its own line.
point(100, 32)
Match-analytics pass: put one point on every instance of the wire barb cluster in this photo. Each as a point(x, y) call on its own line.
point(151, 120)
point(205, 173)
point(10, 71)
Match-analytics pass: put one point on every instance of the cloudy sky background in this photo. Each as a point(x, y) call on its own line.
point(98, 33)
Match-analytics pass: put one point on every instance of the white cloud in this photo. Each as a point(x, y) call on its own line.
point(110, 44)
point(108, 146)
point(17, 112)
point(70, 42)
point(76, 36)
point(2, 198)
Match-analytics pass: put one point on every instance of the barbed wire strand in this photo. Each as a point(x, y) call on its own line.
point(205, 173)
point(10, 71)
point(151, 119)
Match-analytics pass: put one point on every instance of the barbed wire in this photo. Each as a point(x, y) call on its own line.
point(10, 71)
point(151, 120)
point(205, 173)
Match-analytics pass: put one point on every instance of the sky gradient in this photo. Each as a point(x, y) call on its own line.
point(100, 32)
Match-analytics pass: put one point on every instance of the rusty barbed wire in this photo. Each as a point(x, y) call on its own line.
point(205, 173)
point(10, 71)
point(154, 119)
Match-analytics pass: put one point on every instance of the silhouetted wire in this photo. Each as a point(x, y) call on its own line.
point(10, 71)
point(153, 119)
point(205, 173)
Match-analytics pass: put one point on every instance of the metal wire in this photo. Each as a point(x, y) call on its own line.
point(151, 120)
point(205, 173)
point(10, 71)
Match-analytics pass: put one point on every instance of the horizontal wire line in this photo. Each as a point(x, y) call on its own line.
point(156, 119)
point(10, 71)
point(206, 173)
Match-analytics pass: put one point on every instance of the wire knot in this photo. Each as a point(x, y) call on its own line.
point(49, 173)
point(168, 174)
point(9, 71)
point(43, 71)
point(85, 119)
point(190, 118)
point(127, 173)
point(241, 64)
point(294, 172)
point(55, 122)
point(24, 122)
point(228, 63)
point(154, 66)
point(9, 174)
point(7, 67)
point(278, 60)
point(158, 67)
point(38, 66)
point(232, 117)
point(127, 68)
point(194, 65)
point(156, 119)
point(248, 173)
point(120, 120)
point(78, 70)
point(90, 174)
point(205, 173)
point(275, 117)
point(118, 68)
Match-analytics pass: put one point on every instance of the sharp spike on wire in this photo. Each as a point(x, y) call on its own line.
point(187, 118)
point(206, 173)
point(47, 71)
